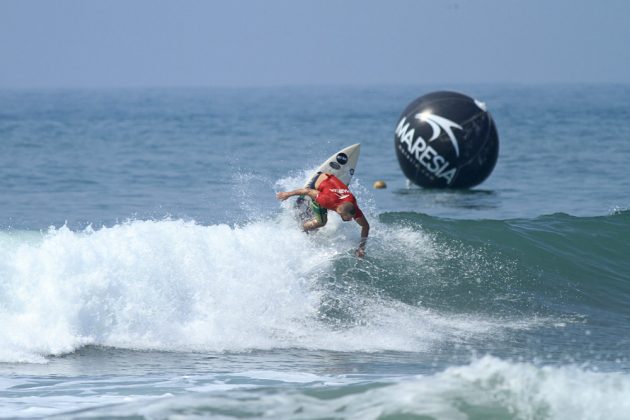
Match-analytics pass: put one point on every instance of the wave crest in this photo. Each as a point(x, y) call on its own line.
point(176, 285)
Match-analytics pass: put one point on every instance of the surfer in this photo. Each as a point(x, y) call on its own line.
point(329, 193)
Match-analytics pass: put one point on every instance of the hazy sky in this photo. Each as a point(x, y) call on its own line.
point(277, 42)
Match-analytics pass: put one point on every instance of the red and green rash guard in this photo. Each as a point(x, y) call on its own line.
point(333, 192)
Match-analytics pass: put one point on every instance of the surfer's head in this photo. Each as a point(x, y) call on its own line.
point(346, 211)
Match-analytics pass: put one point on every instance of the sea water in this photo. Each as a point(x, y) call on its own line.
point(147, 271)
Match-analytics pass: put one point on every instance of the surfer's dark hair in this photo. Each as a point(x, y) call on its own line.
point(348, 207)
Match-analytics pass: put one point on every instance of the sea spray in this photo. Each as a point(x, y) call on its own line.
point(180, 286)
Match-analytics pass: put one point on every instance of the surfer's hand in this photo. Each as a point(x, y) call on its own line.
point(282, 196)
point(360, 252)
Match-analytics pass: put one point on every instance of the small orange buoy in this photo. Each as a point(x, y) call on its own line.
point(379, 185)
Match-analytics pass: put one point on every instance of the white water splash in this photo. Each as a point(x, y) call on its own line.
point(176, 285)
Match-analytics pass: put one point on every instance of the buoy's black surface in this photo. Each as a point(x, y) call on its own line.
point(446, 140)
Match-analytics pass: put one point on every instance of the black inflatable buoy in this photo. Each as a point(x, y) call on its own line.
point(446, 140)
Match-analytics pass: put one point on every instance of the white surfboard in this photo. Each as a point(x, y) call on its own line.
point(342, 165)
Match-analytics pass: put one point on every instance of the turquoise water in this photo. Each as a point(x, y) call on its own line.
point(147, 269)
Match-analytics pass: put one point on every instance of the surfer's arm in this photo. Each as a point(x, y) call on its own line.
point(302, 191)
point(365, 231)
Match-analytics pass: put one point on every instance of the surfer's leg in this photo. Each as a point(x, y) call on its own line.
point(311, 225)
point(311, 185)
point(320, 217)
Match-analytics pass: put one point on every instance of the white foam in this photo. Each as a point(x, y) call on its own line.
point(520, 390)
point(176, 285)
point(486, 388)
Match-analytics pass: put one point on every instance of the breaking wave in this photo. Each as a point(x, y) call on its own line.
point(179, 286)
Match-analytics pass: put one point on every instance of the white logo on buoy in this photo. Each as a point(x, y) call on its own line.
point(423, 153)
point(481, 105)
point(438, 124)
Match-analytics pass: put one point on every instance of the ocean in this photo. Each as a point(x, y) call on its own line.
point(147, 270)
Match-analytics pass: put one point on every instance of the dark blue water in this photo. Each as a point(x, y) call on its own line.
point(147, 268)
